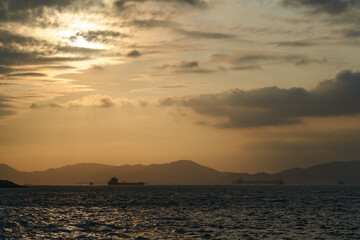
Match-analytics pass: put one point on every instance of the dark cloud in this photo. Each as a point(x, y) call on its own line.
point(152, 23)
point(78, 50)
point(6, 113)
point(11, 53)
point(253, 61)
point(106, 103)
point(195, 3)
point(202, 34)
point(332, 7)
point(273, 106)
point(129, 7)
point(307, 61)
point(9, 56)
point(293, 44)
point(13, 56)
point(6, 109)
point(18, 49)
point(32, 11)
point(16, 5)
point(97, 36)
point(121, 5)
point(134, 53)
point(184, 67)
point(352, 33)
point(50, 105)
point(7, 38)
point(7, 84)
point(247, 67)
point(3, 103)
point(28, 74)
point(4, 70)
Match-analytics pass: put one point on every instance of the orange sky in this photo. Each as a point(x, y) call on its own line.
point(242, 86)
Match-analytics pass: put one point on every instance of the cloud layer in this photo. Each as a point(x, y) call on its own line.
point(332, 7)
point(273, 106)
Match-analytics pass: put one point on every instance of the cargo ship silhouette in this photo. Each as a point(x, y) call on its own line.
point(114, 181)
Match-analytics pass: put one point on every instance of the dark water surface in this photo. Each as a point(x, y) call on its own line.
point(181, 212)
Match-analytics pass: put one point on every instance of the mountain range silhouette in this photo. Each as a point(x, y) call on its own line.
point(182, 172)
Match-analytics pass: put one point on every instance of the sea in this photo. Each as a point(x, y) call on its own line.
point(181, 212)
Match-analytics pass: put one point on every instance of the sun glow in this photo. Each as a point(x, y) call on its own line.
point(72, 34)
point(81, 42)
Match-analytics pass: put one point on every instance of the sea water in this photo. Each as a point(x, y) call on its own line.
point(181, 212)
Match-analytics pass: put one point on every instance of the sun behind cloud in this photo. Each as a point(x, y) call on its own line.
point(81, 42)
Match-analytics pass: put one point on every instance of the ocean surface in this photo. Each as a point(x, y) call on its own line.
point(181, 212)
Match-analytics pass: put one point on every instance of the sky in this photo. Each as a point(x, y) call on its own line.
point(236, 85)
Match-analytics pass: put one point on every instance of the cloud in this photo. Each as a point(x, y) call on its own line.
point(130, 8)
point(183, 67)
point(4, 70)
point(202, 34)
point(16, 49)
point(152, 23)
point(134, 53)
point(6, 113)
point(8, 38)
point(33, 11)
point(50, 105)
point(96, 101)
point(97, 67)
point(6, 109)
point(78, 50)
point(241, 61)
point(293, 44)
point(121, 5)
point(97, 35)
point(352, 33)
point(273, 106)
point(28, 74)
point(194, 3)
point(331, 7)
point(307, 61)
point(196, 34)
point(247, 67)
point(89, 101)
point(12, 56)
point(180, 65)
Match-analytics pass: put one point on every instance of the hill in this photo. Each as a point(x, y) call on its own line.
point(328, 173)
point(182, 172)
point(8, 184)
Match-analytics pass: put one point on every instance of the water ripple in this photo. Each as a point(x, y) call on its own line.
point(181, 212)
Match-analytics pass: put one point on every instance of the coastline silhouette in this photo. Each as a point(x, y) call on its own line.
point(182, 172)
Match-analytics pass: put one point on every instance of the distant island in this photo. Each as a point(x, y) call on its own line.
point(8, 184)
point(182, 172)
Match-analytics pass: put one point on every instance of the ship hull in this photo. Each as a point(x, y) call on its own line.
point(126, 184)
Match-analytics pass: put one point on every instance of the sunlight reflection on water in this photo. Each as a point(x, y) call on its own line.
point(178, 212)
